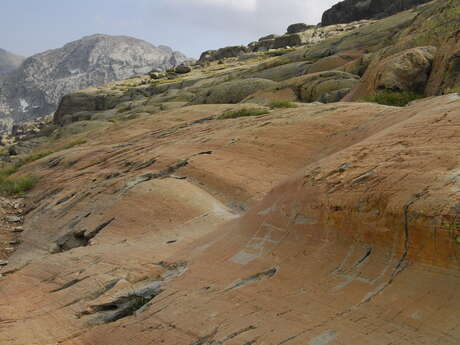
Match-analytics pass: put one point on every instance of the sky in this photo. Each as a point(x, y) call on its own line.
point(190, 26)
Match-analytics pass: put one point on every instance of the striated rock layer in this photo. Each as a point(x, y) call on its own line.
point(313, 225)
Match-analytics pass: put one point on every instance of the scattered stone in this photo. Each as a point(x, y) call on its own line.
point(17, 229)
point(13, 219)
point(14, 242)
point(3, 262)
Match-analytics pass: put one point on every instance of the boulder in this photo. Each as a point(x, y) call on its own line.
point(182, 69)
point(223, 53)
point(329, 86)
point(233, 91)
point(268, 37)
point(357, 66)
point(406, 71)
point(289, 40)
point(445, 76)
point(352, 10)
point(298, 27)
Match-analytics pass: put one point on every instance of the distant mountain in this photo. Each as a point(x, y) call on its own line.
point(9, 61)
point(348, 11)
point(36, 87)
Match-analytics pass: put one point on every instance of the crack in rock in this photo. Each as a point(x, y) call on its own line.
point(78, 238)
point(253, 279)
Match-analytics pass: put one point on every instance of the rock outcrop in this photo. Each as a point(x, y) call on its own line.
point(352, 10)
point(9, 62)
point(298, 27)
point(405, 71)
point(301, 34)
point(270, 219)
point(222, 53)
point(325, 87)
point(36, 87)
point(445, 76)
point(233, 91)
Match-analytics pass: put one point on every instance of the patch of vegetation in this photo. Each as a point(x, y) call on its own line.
point(279, 52)
point(282, 104)
point(452, 90)
point(74, 143)
point(17, 186)
point(233, 114)
point(393, 98)
point(32, 158)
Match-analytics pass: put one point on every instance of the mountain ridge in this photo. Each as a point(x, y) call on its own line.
point(35, 87)
point(9, 61)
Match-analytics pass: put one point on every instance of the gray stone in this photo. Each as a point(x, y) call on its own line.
point(13, 219)
point(182, 69)
point(299, 27)
point(36, 87)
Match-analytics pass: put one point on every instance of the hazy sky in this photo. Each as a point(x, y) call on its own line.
point(191, 26)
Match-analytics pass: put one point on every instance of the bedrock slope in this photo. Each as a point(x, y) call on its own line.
point(314, 225)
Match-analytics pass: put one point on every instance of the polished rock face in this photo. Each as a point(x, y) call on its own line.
point(35, 88)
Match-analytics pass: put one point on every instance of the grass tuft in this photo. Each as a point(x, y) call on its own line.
point(18, 185)
point(452, 90)
point(393, 98)
point(282, 104)
point(233, 114)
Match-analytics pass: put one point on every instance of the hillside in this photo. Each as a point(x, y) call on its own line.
point(35, 88)
point(352, 10)
point(298, 195)
point(9, 62)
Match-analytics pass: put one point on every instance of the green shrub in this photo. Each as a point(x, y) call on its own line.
point(394, 98)
point(17, 186)
point(452, 90)
point(282, 104)
point(233, 114)
point(74, 143)
point(32, 158)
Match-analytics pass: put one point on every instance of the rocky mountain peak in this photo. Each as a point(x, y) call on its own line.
point(9, 61)
point(36, 87)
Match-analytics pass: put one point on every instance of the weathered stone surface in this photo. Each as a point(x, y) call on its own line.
point(320, 183)
point(223, 53)
point(233, 91)
point(299, 27)
point(312, 35)
point(406, 71)
point(284, 72)
point(351, 10)
point(335, 61)
point(327, 86)
point(268, 37)
point(182, 69)
point(445, 76)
